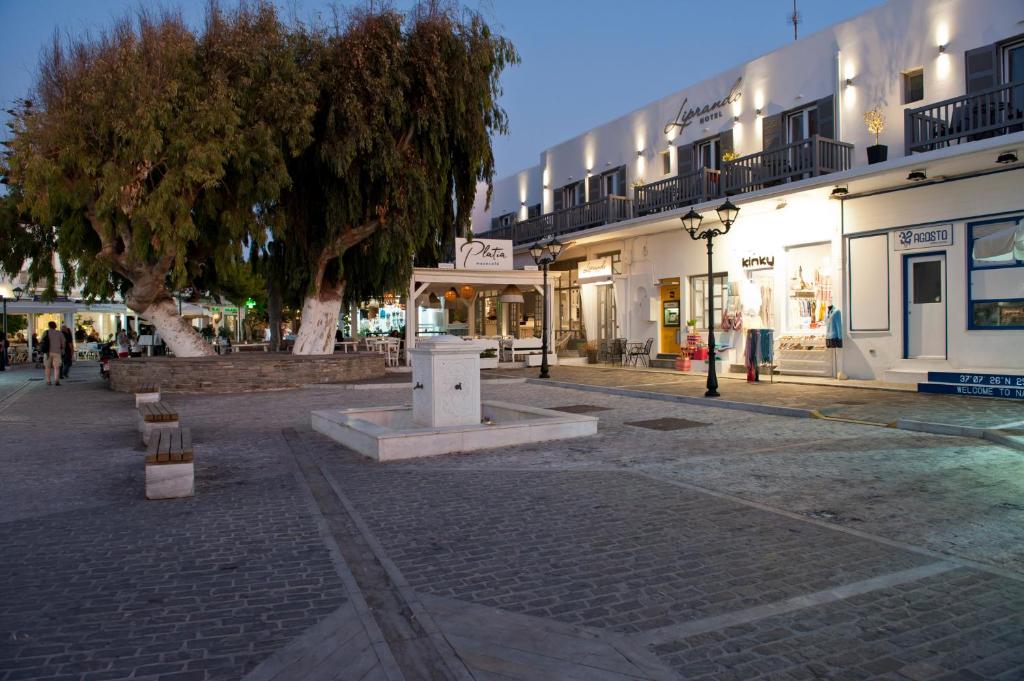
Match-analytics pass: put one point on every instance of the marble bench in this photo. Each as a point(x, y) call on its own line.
point(170, 466)
point(147, 392)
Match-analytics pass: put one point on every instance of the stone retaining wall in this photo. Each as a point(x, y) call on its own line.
point(242, 372)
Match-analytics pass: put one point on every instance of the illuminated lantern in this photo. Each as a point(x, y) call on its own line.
point(467, 291)
point(451, 295)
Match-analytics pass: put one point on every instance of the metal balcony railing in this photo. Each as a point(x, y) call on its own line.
point(988, 113)
point(677, 192)
point(811, 157)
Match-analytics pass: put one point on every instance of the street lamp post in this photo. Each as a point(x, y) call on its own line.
point(727, 213)
point(544, 256)
point(3, 340)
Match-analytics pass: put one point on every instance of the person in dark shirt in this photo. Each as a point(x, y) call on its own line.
point(69, 352)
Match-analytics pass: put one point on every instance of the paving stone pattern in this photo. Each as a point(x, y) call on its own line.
point(962, 625)
point(582, 548)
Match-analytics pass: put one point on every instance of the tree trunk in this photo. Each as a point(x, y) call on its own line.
point(181, 338)
point(275, 303)
point(319, 322)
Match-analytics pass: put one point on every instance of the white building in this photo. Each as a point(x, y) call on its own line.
point(922, 253)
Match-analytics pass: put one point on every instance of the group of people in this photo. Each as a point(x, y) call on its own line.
point(57, 348)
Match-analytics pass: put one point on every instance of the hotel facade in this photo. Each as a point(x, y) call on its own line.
point(919, 246)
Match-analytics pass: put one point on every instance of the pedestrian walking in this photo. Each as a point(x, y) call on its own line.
point(52, 350)
point(69, 352)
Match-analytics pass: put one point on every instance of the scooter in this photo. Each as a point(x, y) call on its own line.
point(107, 353)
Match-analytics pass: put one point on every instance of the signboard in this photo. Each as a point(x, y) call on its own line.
point(923, 237)
point(758, 262)
point(971, 390)
point(597, 271)
point(483, 254)
point(706, 113)
point(976, 379)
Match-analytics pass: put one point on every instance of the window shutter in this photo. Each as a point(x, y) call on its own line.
point(981, 68)
point(684, 159)
point(725, 144)
point(826, 118)
point(593, 188)
point(558, 198)
point(620, 181)
point(771, 132)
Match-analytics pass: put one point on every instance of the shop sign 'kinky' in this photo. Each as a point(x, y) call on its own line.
point(483, 254)
point(705, 113)
point(758, 262)
point(923, 237)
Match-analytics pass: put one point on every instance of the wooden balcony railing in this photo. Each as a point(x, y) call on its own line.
point(574, 219)
point(988, 113)
point(807, 158)
point(677, 192)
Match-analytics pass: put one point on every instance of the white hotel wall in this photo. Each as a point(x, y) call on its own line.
point(872, 49)
point(870, 354)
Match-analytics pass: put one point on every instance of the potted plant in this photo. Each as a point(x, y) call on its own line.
point(730, 156)
point(489, 359)
point(875, 120)
point(591, 352)
point(691, 326)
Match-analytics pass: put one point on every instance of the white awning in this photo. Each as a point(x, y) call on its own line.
point(1004, 245)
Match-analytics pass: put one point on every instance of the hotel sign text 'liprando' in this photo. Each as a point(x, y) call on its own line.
point(705, 113)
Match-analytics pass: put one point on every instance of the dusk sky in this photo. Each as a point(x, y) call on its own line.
point(583, 62)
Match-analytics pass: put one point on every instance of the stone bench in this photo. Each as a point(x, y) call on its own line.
point(147, 392)
point(156, 416)
point(170, 469)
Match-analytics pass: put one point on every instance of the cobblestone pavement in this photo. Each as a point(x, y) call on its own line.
point(861, 404)
point(98, 583)
point(746, 546)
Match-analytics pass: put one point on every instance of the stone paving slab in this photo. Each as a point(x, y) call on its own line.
point(959, 625)
point(860, 404)
point(578, 547)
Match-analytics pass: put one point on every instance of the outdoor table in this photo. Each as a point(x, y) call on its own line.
point(347, 346)
point(238, 347)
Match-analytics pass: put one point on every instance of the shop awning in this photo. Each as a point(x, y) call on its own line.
point(1003, 245)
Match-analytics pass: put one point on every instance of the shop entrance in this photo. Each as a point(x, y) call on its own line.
point(670, 322)
point(607, 324)
point(924, 318)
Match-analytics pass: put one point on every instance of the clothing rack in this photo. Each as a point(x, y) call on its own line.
point(760, 352)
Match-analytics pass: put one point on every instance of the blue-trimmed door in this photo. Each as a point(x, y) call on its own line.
point(924, 306)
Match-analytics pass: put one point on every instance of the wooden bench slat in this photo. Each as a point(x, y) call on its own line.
point(170, 446)
point(186, 441)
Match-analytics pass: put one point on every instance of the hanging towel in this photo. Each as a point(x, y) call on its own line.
point(834, 329)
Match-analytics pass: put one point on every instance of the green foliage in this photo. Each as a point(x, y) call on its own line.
point(402, 133)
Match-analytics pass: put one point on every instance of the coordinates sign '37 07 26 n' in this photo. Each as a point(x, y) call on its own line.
point(483, 254)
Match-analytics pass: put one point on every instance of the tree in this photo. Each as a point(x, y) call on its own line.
point(150, 145)
point(405, 111)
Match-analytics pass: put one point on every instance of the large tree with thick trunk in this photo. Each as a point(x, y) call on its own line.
point(148, 147)
point(406, 109)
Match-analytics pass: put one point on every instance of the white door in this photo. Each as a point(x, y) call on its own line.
point(926, 307)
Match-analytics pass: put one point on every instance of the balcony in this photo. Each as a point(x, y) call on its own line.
point(988, 113)
point(811, 157)
point(565, 221)
point(677, 192)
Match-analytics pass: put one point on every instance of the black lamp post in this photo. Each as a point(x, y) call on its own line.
point(3, 341)
point(727, 213)
point(544, 256)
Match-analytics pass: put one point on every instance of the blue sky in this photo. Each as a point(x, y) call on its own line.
point(584, 61)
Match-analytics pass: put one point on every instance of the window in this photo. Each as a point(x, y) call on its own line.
point(913, 86)
point(927, 276)
point(1013, 72)
point(802, 124)
point(709, 154)
point(616, 258)
point(995, 269)
point(699, 298)
point(666, 162)
point(533, 211)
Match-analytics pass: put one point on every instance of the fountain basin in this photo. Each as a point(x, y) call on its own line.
point(390, 434)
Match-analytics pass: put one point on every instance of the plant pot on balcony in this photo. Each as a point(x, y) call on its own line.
point(877, 153)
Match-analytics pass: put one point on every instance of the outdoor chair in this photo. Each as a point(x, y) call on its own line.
point(639, 352)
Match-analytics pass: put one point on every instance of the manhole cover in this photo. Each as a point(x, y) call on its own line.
point(668, 423)
point(581, 408)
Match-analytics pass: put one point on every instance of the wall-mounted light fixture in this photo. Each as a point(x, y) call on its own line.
point(522, 203)
point(757, 112)
point(840, 191)
point(639, 153)
point(918, 175)
point(545, 186)
point(589, 171)
point(1007, 157)
point(942, 49)
point(849, 82)
point(735, 119)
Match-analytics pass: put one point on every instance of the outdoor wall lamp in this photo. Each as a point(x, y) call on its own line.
point(839, 192)
point(918, 175)
point(757, 112)
point(942, 49)
point(735, 119)
point(849, 82)
point(1007, 157)
point(640, 153)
